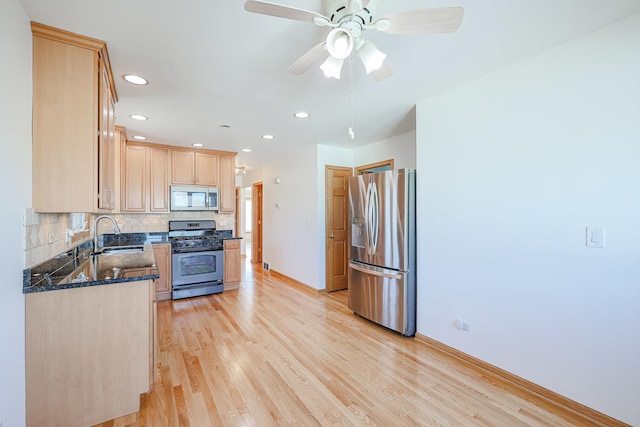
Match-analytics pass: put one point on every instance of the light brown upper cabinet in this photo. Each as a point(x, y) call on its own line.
point(194, 168)
point(183, 167)
point(206, 169)
point(145, 179)
point(73, 123)
point(158, 179)
point(134, 181)
point(227, 193)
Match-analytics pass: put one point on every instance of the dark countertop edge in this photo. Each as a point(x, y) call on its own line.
point(231, 238)
point(41, 288)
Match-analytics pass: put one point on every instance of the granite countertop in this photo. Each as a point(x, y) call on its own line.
point(227, 235)
point(79, 268)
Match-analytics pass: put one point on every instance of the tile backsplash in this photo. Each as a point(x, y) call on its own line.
point(45, 233)
point(153, 223)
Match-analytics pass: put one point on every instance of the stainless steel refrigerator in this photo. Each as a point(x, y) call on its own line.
point(382, 264)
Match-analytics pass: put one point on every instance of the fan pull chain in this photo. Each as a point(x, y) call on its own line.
point(351, 132)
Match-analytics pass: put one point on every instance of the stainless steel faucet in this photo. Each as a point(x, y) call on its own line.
point(116, 230)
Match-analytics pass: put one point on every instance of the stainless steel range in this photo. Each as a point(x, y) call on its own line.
point(197, 258)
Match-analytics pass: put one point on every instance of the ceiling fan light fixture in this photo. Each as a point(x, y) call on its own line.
point(339, 43)
point(332, 67)
point(371, 56)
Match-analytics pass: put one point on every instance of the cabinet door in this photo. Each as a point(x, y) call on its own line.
point(65, 112)
point(106, 142)
point(183, 167)
point(158, 179)
point(162, 252)
point(206, 169)
point(227, 184)
point(231, 261)
point(133, 179)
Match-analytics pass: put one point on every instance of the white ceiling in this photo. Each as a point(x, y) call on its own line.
point(209, 62)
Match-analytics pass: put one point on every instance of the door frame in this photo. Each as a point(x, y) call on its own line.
point(373, 167)
point(257, 221)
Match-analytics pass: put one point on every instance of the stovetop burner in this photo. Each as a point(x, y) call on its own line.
point(191, 236)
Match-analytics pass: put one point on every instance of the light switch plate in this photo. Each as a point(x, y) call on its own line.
point(595, 237)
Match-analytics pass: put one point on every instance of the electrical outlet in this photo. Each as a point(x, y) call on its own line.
point(265, 266)
point(51, 239)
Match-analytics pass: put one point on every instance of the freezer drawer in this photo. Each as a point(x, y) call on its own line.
point(384, 296)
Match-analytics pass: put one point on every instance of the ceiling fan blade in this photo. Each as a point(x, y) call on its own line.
point(307, 60)
point(422, 21)
point(382, 72)
point(273, 9)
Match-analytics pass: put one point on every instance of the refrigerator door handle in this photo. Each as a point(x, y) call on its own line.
point(369, 219)
point(396, 276)
point(375, 219)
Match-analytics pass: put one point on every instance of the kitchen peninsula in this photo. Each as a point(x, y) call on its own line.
point(90, 335)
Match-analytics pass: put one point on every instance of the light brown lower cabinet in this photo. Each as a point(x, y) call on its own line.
point(162, 252)
point(232, 274)
point(89, 353)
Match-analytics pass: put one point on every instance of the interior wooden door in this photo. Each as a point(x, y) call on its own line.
point(256, 209)
point(336, 227)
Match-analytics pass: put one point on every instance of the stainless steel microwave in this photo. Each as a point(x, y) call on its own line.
point(193, 198)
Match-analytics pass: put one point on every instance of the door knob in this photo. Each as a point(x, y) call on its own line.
point(331, 236)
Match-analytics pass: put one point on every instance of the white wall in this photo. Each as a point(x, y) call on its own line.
point(290, 238)
point(401, 148)
point(15, 180)
point(513, 167)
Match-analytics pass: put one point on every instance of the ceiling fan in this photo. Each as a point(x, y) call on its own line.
point(348, 20)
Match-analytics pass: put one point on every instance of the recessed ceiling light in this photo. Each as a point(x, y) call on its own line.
point(246, 150)
point(302, 115)
point(140, 137)
point(268, 137)
point(139, 117)
point(197, 144)
point(136, 80)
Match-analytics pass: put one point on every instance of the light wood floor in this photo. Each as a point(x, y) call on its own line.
point(274, 353)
